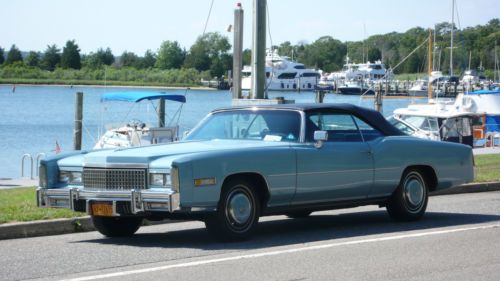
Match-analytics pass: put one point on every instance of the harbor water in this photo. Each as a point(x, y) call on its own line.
point(34, 118)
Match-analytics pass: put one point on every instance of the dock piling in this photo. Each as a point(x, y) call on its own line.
point(77, 133)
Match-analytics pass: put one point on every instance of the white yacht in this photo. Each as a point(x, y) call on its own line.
point(369, 71)
point(472, 118)
point(283, 74)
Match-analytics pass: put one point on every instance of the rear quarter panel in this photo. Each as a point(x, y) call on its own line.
point(452, 163)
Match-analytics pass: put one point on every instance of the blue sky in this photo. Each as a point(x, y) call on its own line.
point(140, 25)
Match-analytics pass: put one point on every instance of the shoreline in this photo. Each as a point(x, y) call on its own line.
point(197, 88)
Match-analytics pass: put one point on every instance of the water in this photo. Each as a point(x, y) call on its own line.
point(34, 118)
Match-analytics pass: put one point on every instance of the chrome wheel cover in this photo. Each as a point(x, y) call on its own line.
point(414, 192)
point(239, 209)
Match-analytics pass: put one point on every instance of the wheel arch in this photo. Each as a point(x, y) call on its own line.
point(428, 173)
point(259, 182)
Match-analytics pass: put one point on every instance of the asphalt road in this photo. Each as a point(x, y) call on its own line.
point(458, 239)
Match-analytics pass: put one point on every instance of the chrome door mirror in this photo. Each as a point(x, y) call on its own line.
point(320, 137)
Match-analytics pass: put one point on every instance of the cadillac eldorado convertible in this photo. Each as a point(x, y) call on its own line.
point(241, 163)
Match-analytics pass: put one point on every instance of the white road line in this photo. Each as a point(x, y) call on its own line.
point(280, 252)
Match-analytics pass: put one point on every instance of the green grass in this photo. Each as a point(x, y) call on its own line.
point(19, 204)
point(487, 167)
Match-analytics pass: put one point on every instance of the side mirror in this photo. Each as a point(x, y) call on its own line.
point(319, 138)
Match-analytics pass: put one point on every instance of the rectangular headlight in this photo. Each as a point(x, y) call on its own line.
point(160, 180)
point(70, 177)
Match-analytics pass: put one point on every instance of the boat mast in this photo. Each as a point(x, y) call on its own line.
point(452, 29)
point(429, 66)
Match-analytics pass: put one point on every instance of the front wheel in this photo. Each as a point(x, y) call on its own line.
point(117, 226)
point(237, 213)
point(409, 201)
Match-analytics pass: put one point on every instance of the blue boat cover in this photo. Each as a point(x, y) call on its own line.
point(485, 92)
point(492, 123)
point(137, 96)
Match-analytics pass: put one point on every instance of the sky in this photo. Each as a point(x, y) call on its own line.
point(136, 26)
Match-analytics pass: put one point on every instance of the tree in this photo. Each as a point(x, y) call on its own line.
point(129, 59)
point(32, 59)
point(2, 59)
point(51, 58)
point(170, 55)
point(71, 56)
point(149, 59)
point(325, 53)
point(99, 58)
point(374, 54)
point(13, 55)
point(207, 53)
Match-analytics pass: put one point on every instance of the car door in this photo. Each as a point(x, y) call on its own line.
point(342, 169)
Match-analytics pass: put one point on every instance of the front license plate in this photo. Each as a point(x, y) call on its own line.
point(102, 209)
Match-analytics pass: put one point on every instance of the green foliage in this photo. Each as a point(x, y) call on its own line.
point(129, 59)
point(247, 57)
point(170, 55)
point(149, 59)
point(99, 59)
point(2, 58)
point(51, 58)
point(32, 59)
point(207, 53)
point(325, 53)
point(71, 56)
point(14, 55)
point(374, 54)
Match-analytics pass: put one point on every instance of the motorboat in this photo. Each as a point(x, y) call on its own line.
point(283, 74)
point(135, 132)
point(369, 71)
point(473, 118)
point(355, 88)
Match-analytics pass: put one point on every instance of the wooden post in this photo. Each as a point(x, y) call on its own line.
point(237, 51)
point(77, 133)
point(259, 49)
point(161, 113)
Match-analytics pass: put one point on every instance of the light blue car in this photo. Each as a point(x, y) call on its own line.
point(241, 163)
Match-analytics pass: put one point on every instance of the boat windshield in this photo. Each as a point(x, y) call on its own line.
point(266, 125)
point(429, 124)
point(403, 127)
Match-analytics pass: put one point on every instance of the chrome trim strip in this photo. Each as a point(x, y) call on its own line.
point(116, 165)
point(334, 172)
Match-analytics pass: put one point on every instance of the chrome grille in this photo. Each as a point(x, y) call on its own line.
point(114, 179)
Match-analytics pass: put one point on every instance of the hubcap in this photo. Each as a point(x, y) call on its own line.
point(414, 190)
point(239, 208)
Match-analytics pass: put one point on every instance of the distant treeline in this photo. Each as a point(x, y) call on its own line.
point(210, 57)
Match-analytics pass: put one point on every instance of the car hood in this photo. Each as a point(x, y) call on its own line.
point(142, 156)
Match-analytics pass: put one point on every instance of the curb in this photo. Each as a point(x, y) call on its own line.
point(83, 224)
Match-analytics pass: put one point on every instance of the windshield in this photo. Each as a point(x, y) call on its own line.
point(401, 126)
point(424, 123)
point(267, 125)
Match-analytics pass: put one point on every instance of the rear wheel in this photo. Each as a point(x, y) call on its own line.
point(237, 213)
point(117, 226)
point(409, 201)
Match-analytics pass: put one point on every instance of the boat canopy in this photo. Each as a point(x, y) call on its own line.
point(137, 96)
point(485, 92)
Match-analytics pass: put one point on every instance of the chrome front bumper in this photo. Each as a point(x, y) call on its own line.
point(140, 200)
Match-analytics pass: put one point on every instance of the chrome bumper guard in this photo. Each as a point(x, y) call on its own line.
point(140, 200)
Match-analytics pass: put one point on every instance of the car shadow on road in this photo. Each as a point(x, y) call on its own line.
point(281, 231)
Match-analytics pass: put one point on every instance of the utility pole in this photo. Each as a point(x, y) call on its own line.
point(259, 49)
point(237, 51)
